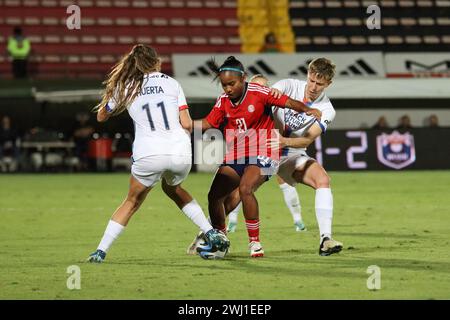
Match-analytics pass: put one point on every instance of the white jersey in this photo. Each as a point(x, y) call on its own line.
point(295, 124)
point(156, 116)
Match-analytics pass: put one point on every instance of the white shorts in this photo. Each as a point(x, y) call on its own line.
point(289, 163)
point(172, 168)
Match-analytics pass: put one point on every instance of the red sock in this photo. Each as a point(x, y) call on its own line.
point(252, 229)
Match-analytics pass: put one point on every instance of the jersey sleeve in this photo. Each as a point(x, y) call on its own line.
point(217, 115)
point(328, 115)
point(280, 102)
point(182, 104)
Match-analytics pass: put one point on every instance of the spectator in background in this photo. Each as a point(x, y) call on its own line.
point(9, 150)
point(381, 124)
point(404, 123)
point(81, 135)
point(433, 121)
point(270, 44)
point(19, 48)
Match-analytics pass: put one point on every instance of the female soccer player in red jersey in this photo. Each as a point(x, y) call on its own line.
point(244, 111)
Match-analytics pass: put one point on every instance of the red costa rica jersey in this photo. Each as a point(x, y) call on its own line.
point(249, 124)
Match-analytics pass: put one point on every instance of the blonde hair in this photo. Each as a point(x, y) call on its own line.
point(323, 68)
point(125, 80)
point(259, 76)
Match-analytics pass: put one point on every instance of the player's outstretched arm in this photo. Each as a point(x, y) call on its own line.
point(301, 107)
point(102, 115)
point(185, 120)
point(299, 142)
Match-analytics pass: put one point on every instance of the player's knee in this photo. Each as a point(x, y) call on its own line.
point(245, 190)
point(213, 196)
point(323, 181)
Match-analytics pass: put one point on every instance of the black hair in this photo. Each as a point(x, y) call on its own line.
point(230, 64)
point(17, 31)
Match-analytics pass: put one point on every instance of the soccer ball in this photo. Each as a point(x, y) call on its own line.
point(216, 246)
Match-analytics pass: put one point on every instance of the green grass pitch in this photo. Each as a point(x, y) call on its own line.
point(398, 221)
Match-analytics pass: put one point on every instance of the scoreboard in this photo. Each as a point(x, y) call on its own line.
point(423, 148)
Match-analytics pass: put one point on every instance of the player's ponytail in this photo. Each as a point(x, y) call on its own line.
point(125, 80)
point(230, 64)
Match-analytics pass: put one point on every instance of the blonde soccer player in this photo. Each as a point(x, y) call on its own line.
point(162, 145)
point(299, 130)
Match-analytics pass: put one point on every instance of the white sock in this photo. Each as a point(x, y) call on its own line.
point(324, 211)
point(292, 201)
point(233, 216)
point(194, 212)
point(112, 232)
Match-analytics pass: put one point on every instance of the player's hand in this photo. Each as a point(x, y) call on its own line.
point(316, 113)
point(276, 93)
point(277, 143)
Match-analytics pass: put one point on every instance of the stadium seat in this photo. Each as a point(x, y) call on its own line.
point(426, 21)
point(424, 3)
point(52, 39)
point(394, 40)
point(413, 40)
point(443, 3)
point(406, 3)
point(316, 22)
point(31, 21)
point(194, 4)
point(35, 39)
point(49, 3)
point(376, 40)
point(89, 39)
point(351, 4)
point(146, 40)
point(71, 39)
point(140, 4)
point(431, 40)
point(84, 3)
point(321, 40)
point(358, 40)
point(335, 22)
point(303, 40)
point(315, 4)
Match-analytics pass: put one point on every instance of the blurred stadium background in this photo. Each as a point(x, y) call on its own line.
point(399, 71)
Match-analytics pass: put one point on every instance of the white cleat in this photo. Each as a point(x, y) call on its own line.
point(198, 241)
point(329, 246)
point(256, 250)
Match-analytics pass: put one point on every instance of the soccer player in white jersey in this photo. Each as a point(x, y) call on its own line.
point(299, 131)
point(162, 145)
point(290, 194)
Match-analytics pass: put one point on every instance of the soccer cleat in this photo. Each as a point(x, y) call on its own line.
point(231, 227)
point(256, 250)
point(329, 246)
point(299, 226)
point(97, 257)
point(199, 241)
point(217, 245)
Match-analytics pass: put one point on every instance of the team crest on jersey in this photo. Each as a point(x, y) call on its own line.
point(251, 108)
point(396, 150)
